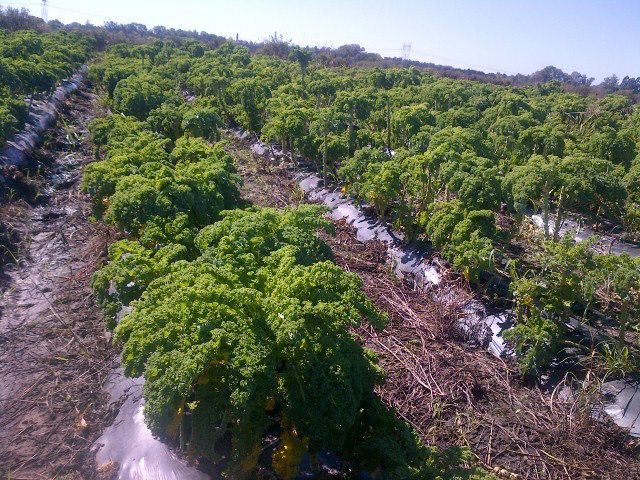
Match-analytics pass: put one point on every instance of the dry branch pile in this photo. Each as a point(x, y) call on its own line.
point(454, 394)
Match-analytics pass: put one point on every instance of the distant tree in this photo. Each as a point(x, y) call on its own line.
point(581, 79)
point(631, 84)
point(548, 74)
point(14, 19)
point(610, 84)
point(276, 46)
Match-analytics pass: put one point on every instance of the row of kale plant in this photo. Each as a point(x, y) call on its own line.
point(235, 315)
point(33, 63)
point(459, 163)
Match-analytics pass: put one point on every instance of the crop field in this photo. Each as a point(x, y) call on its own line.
point(160, 236)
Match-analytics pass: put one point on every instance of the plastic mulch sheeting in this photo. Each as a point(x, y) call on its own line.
point(43, 116)
point(129, 443)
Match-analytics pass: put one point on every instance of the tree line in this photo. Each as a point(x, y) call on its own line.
point(352, 55)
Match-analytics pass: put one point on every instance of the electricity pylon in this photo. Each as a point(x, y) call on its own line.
point(45, 15)
point(406, 51)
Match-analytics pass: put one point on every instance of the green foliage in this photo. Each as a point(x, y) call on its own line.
point(380, 185)
point(167, 119)
point(445, 217)
point(465, 237)
point(303, 57)
point(378, 438)
point(201, 190)
point(535, 183)
point(632, 181)
point(615, 283)
point(617, 146)
point(249, 96)
point(407, 122)
point(189, 149)
point(237, 316)
point(243, 238)
point(614, 360)
point(34, 63)
point(287, 119)
point(142, 189)
point(240, 328)
point(130, 269)
point(114, 69)
point(13, 114)
point(111, 130)
point(137, 95)
point(353, 170)
point(472, 255)
point(129, 154)
point(235, 331)
point(593, 185)
point(535, 339)
point(202, 122)
point(571, 277)
point(469, 136)
point(474, 179)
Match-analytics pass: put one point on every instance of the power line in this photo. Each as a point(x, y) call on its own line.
point(80, 12)
point(22, 4)
point(472, 65)
point(441, 58)
point(26, 4)
point(406, 49)
point(438, 57)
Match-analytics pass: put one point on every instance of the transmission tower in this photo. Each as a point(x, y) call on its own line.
point(45, 15)
point(406, 51)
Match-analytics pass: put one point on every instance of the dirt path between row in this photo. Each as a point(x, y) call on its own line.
point(54, 351)
point(449, 391)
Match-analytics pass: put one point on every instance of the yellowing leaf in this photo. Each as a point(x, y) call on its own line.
point(173, 429)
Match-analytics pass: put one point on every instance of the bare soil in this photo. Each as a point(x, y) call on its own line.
point(265, 184)
point(451, 392)
point(54, 351)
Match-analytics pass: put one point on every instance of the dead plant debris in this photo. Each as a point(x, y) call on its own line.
point(54, 353)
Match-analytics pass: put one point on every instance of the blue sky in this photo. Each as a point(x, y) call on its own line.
point(595, 37)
